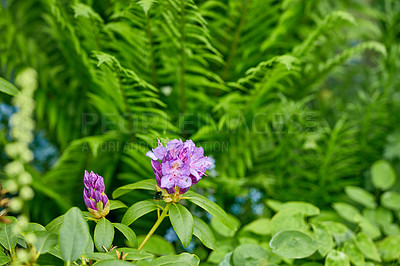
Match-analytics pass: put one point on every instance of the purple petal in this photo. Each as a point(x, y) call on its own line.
point(156, 165)
point(197, 153)
point(200, 166)
point(151, 155)
point(99, 184)
point(195, 174)
point(174, 147)
point(167, 181)
point(184, 182)
point(160, 152)
point(183, 190)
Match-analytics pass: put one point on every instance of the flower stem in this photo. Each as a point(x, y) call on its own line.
point(155, 226)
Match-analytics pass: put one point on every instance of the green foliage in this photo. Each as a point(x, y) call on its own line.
point(295, 98)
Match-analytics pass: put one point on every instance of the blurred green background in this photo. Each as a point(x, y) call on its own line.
point(293, 99)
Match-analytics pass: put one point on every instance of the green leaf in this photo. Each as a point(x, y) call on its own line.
point(250, 254)
point(337, 258)
point(146, 4)
point(369, 228)
point(383, 175)
point(380, 216)
point(361, 196)
point(74, 235)
point(4, 259)
point(260, 226)
point(324, 239)
point(212, 208)
point(354, 254)
point(7, 237)
point(339, 231)
point(389, 248)
point(54, 226)
point(391, 200)
point(227, 260)
point(347, 212)
point(203, 232)
point(148, 184)
point(103, 234)
point(287, 220)
point(221, 229)
point(99, 256)
point(134, 254)
point(293, 244)
point(302, 207)
point(7, 87)
point(182, 222)
point(367, 247)
point(274, 205)
point(127, 232)
point(157, 245)
point(45, 241)
point(137, 210)
point(114, 262)
point(116, 204)
point(184, 259)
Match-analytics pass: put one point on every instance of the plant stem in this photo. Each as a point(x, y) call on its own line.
point(155, 226)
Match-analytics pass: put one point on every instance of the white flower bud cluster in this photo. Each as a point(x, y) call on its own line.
point(22, 126)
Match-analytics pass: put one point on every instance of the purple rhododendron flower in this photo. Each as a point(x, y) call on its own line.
point(93, 194)
point(182, 164)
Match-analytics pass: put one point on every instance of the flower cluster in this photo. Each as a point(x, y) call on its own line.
point(182, 165)
point(93, 194)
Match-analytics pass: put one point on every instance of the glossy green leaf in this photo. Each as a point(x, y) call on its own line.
point(103, 234)
point(45, 241)
point(389, 248)
point(54, 226)
point(184, 259)
point(134, 254)
point(347, 211)
point(127, 232)
point(383, 175)
point(203, 232)
point(367, 247)
point(137, 210)
point(260, 226)
point(116, 204)
point(212, 208)
point(7, 237)
point(113, 262)
point(74, 235)
point(148, 184)
point(391, 200)
point(361, 196)
point(337, 258)
point(250, 254)
point(7, 87)
point(293, 244)
point(182, 222)
point(99, 256)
